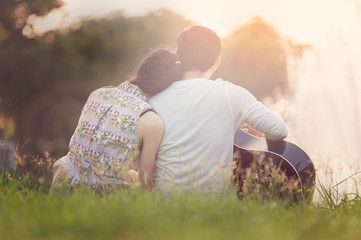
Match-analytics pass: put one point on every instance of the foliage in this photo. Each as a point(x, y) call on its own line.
point(14, 16)
point(30, 212)
point(265, 181)
point(333, 199)
point(46, 80)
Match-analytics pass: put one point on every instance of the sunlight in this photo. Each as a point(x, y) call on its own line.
point(48, 22)
point(303, 21)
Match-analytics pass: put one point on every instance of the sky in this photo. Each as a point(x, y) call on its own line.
point(303, 21)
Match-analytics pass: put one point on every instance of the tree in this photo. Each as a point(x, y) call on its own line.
point(254, 57)
point(46, 80)
point(14, 15)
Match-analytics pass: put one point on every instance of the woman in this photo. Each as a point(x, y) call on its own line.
point(118, 130)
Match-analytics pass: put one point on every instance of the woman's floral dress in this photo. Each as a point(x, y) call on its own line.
point(104, 145)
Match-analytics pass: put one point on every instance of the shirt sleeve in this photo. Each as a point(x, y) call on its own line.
point(247, 109)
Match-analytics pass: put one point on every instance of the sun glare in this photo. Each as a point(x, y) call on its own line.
point(303, 21)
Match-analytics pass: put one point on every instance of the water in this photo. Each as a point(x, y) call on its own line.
point(324, 113)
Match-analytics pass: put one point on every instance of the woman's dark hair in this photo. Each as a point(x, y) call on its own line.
point(198, 48)
point(157, 71)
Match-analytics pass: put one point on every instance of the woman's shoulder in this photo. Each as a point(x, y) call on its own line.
point(103, 90)
point(125, 95)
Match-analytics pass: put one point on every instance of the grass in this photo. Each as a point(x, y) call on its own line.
point(29, 211)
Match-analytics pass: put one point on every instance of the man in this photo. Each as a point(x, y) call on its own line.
point(201, 117)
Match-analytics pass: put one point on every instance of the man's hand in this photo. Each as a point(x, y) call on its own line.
point(247, 128)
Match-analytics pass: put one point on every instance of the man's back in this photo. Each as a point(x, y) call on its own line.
point(200, 117)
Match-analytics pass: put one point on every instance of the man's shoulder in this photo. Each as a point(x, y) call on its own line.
point(229, 86)
point(224, 83)
point(234, 92)
point(219, 82)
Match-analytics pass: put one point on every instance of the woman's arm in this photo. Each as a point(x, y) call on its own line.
point(150, 133)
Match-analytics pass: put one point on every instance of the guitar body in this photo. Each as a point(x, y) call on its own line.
point(287, 157)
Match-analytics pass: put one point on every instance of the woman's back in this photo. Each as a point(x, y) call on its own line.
point(105, 141)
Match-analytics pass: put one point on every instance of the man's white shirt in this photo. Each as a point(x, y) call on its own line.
point(200, 117)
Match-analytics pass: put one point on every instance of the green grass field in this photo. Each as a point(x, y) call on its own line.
point(31, 212)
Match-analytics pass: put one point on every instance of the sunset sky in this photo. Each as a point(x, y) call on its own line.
point(306, 21)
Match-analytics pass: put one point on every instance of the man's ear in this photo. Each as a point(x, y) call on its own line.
point(216, 63)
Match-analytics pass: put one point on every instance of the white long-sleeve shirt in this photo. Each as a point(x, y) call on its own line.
point(201, 117)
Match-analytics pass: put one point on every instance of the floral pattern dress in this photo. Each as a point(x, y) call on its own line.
point(104, 145)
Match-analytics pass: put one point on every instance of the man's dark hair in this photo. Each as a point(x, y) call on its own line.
point(198, 48)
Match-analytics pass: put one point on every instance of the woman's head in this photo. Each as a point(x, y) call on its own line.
point(157, 71)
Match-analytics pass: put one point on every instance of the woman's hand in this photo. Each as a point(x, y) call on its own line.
point(132, 176)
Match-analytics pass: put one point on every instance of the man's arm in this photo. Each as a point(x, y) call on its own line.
point(246, 109)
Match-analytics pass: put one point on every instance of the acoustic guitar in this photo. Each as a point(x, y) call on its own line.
point(287, 157)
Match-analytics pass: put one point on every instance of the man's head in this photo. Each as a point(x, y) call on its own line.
point(198, 48)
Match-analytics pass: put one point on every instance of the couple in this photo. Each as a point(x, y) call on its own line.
point(170, 127)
